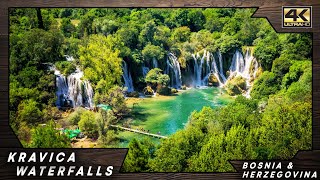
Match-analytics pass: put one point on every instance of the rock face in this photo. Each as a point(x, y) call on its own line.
point(213, 81)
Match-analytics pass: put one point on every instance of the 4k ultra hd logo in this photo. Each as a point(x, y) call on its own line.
point(297, 16)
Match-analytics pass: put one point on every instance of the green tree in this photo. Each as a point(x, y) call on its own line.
point(267, 50)
point(99, 61)
point(155, 76)
point(137, 157)
point(28, 111)
point(151, 51)
point(180, 34)
point(115, 98)
point(265, 85)
point(88, 124)
point(48, 137)
point(66, 27)
point(33, 48)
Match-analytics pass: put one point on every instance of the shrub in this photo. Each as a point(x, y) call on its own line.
point(236, 86)
point(87, 124)
point(75, 116)
point(65, 67)
point(148, 91)
point(265, 85)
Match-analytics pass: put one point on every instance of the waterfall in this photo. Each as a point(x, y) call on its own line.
point(198, 68)
point(215, 71)
point(127, 77)
point(173, 66)
point(241, 66)
point(145, 71)
point(154, 63)
point(69, 58)
point(224, 79)
point(237, 64)
point(72, 90)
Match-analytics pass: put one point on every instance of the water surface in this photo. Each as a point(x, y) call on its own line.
point(169, 114)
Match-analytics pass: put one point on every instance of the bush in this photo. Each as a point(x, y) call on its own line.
point(29, 112)
point(48, 137)
point(148, 91)
point(236, 86)
point(280, 67)
point(87, 124)
point(265, 85)
point(75, 116)
point(65, 67)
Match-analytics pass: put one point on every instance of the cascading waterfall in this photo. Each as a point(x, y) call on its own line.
point(72, 90)
point(240, 66)
point(127, 77)
point(173, 67)
point(215, 71)
point(203, 67)
point(237, 64)
point(202, 70)
point(198, 68)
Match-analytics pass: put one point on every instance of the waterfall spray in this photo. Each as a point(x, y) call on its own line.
point(127, 77)
point(173, 66)
point(73, 89)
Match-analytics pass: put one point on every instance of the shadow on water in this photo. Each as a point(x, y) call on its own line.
point(138, 112)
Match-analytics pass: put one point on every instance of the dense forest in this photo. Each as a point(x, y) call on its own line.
point(274, 123)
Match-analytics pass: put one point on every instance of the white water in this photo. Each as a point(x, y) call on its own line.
point(240, 66)
point(216, 72)
point(173, 67)
point(197, 81)
point(69, 58)
point(73, 89)
point(204, 67)
point(127, 77)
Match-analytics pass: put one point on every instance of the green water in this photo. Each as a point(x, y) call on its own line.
point(169, 114)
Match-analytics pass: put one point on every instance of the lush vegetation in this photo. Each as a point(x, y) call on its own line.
point(273, 124)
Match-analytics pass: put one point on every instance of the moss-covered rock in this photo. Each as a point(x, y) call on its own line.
point(228, 73)
point(236, 85)
point(163, 90)
point(184, 87)
point(213, 80)
point(133, 94)
point(173, 91)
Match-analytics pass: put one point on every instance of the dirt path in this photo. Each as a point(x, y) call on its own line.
point(84, 143)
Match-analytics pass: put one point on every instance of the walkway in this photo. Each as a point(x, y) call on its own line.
point(140, 132)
